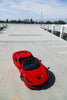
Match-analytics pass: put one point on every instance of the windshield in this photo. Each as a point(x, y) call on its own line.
point(20, 59)
point(31, 64)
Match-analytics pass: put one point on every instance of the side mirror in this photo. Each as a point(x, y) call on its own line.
point(40, 61)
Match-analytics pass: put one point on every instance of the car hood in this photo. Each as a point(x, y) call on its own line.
point(37, 76)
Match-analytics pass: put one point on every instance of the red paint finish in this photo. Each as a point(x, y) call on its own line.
point(34, 77)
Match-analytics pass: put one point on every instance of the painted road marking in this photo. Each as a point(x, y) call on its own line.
point(65, 46)
point(25, 35)
point(15, 98)
point(44, 41)
point(64, 52)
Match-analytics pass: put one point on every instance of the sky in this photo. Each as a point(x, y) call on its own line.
point(26, 9)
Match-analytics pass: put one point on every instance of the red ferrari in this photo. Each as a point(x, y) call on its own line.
point(33, 72)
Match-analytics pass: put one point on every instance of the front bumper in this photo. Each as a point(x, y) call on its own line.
point(37, 86)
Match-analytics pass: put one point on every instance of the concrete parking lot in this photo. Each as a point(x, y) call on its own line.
point(50, 49)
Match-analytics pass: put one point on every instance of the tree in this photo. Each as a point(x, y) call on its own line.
point(7, 21)
point(55, 22)
point(49, 22)
point(31, 21)
point(59, 22)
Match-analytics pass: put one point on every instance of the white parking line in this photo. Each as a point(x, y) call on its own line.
point(65, 46)
point(24, 34)
point(64, 52)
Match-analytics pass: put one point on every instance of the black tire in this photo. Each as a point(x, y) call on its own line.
point(21, 76)
point(13, 61)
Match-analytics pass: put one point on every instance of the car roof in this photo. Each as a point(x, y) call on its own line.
point(30, 63)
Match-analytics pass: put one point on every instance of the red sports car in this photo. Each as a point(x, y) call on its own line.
point(33, 72)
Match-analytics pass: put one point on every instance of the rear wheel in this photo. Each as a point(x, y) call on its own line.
point(21, 76)
point(13, 61)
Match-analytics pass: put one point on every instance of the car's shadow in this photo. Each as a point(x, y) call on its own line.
point(50, 82)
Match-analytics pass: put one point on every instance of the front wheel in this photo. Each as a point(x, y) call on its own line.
point(21, 76)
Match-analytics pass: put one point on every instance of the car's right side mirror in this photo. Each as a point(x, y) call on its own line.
point(40, 61)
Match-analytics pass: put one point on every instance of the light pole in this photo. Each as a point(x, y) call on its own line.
point(41, 19)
